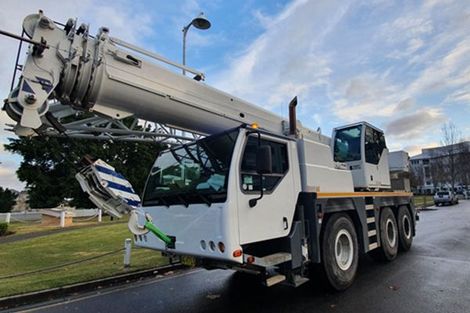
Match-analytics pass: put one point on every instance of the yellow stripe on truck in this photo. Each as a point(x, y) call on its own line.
point(361, 194)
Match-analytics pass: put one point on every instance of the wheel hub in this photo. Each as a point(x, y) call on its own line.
point(391, 232)
point(344, 249)
point(407, 227)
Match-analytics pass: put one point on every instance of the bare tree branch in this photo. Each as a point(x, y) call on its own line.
point(445, 165)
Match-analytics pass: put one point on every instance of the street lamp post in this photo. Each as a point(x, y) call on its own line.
point(200, 22)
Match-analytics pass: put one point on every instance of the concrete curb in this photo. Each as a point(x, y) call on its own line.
point(64, 291)
point(429, 209)
point(426, 208)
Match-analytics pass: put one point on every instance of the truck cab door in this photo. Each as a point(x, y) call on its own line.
point(376, 158)
point(272, 215)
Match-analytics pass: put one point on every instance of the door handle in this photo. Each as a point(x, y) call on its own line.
point(285, 223)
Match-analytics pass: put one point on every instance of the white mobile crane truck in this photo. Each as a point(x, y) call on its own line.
point(258, 193)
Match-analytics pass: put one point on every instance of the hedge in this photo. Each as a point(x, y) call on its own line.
point(3, 229)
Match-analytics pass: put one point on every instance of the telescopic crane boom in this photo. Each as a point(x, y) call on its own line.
point(111, 77)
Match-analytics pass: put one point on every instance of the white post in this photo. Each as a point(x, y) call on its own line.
point(100, 215)
point(127, 252)
point(62, 219)
point(7, 218)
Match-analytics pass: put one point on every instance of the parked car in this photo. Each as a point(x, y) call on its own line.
point(462, 195)
point(445, 197)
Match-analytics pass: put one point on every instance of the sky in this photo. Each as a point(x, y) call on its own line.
point(403, 66)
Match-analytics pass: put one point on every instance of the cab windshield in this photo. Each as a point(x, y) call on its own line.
point(192, 173)
point(347, 144)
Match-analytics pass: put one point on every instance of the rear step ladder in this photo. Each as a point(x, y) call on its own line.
point(268, 260)
point(275, 279)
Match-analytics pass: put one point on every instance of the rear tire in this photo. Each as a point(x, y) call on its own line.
point(405, 228)
point(340, 252)
point(388, 230)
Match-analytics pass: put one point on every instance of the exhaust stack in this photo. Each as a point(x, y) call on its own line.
point(293, 117)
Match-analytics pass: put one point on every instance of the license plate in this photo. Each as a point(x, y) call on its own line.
point(188, 261)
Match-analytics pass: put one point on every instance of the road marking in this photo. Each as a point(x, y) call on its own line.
point(102, 293)
point(369, 206)
point(372, 233)
point(370, 220)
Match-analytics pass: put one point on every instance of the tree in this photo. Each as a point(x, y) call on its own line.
point(416, 178)
point(49, 166)
point(438, 169)
point(463, 161)
point(7, 200)
point(451, 137)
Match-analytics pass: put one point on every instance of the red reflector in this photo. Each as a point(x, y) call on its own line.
point(250, 259)
point(237, 253)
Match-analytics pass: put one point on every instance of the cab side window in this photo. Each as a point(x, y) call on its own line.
point(374, 145)
point(250, 180)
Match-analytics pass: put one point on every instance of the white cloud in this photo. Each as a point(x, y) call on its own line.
point(404, 105)
point(368, 95)
point(405, 27)
point(264, 20)
point(284, 61)
point(443, 55)
point(461, 95)
point(389, 69)
point(411, 125)
point(373, 95)
point(451, 71)
point(416, 149)
point(8, 176)
point(414, 45)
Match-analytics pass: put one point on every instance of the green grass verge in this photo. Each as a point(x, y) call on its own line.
point(423, 201)
point(19, 228)
point(80, 243)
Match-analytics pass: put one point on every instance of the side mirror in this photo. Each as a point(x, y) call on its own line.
point(264, 161)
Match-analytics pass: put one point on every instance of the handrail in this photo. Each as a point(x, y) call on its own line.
point(156, 56)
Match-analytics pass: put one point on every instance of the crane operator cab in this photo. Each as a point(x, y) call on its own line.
point(362, 148)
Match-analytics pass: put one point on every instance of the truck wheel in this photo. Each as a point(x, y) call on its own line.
point(340, 252)
point(405, 228)
point(388, 237)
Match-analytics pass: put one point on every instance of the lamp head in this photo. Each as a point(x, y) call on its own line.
point(201, 22)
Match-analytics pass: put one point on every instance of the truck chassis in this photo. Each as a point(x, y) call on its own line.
point(332, 230)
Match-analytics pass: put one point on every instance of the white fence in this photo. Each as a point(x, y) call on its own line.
point(21, 216)
point(85, 212)
point(37, 215)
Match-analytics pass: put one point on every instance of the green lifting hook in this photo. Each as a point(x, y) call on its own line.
point(138, 229)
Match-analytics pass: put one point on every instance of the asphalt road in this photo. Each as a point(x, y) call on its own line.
point(433, 277)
